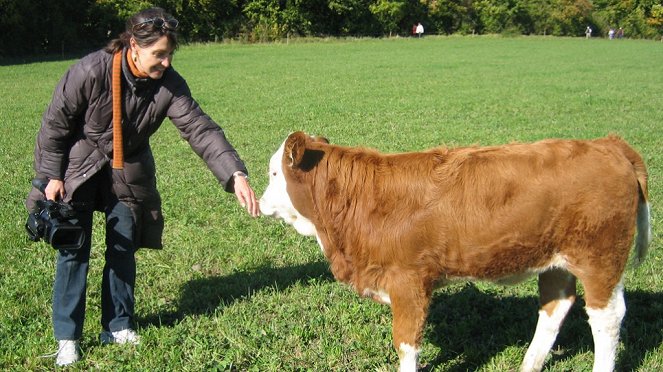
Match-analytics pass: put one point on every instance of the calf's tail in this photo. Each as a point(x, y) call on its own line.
point(644, 231)
point(643, 222)
point(644, 234)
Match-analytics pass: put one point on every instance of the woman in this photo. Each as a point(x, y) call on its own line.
point(83, 130)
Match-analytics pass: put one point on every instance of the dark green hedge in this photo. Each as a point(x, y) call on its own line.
point(39, 27)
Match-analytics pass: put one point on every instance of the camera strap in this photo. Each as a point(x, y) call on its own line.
point(116, 87)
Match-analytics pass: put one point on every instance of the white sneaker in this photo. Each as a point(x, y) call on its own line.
point(67, 353)
point(125, 336)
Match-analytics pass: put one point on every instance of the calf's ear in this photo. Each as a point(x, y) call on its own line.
point(320, 139)
point(295, 146)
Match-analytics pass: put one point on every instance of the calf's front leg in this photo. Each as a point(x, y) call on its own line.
point(409, 307)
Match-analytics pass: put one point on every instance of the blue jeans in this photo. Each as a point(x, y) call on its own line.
point(119, 275)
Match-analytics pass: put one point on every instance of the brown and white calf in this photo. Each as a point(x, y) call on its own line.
point(396, 226)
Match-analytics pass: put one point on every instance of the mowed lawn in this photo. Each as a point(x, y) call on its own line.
point(230, 292)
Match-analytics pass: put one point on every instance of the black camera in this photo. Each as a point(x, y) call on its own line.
point(52, 223)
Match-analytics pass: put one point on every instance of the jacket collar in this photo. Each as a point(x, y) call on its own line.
point(135, 84)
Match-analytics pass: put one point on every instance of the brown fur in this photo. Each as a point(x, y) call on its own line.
point(405, 223)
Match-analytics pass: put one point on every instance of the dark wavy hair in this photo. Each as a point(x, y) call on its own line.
point(141, 28)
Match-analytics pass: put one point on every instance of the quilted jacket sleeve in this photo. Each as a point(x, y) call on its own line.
point(61, 120)
point(205, 136)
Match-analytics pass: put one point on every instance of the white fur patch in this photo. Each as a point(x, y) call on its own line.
point(322, 247)
point(377, 295)
point(605, 324)
point(546, 332)
point(409, 356)
point(275, 202)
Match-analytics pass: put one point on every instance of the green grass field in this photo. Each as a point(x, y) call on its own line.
point(231, 292)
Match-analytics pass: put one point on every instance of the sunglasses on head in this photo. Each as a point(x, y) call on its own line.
point(165, 24)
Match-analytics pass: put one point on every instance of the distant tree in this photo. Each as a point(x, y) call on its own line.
point(635, 23)
point(274, 19)
point(204, 20)
point(43, 26)
point(450, 16)
point(655, 19)
point(37, 27)
point(13, 22)
point(389, 13)
point(353, 17)
point(541, 22)
point(498, 16)
point(494, 15)
point(636, 17)
point(570, 17)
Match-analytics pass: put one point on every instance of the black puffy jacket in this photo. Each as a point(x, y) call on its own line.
point(75, 138)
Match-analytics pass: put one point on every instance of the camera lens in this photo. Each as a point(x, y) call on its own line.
point(67, 237)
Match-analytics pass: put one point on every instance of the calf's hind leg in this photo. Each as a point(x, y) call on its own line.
point(606, 322)
point(557, 293)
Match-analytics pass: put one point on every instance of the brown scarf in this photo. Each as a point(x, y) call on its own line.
point(118, 148)
point(116, 88)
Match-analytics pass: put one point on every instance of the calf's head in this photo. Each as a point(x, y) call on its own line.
point(286, 173)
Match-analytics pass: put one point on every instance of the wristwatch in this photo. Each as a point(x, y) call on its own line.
point(240, 174)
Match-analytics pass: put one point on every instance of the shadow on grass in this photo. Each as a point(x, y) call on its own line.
point(472, 326)
point(203, 296)
point(469, 326)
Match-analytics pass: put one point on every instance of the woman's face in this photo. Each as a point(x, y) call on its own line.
point(154, 59)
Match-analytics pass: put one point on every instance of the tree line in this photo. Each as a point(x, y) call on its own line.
point(36, 27)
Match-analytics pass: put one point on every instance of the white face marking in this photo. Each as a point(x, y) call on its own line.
point(275, 202)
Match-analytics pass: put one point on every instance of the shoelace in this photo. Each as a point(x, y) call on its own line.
point(51, 355)
point(55, 354)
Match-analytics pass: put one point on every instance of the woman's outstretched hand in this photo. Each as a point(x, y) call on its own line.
point(246, 196)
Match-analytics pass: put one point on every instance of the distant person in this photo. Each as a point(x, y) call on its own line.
point(611, 34)
point(100, 161)
point(620, 33)
point(588, 32)
point(414, 29)
point(420, 29)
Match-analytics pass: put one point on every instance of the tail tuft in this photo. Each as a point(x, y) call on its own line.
point(644, 236)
